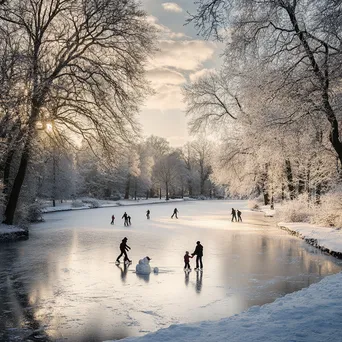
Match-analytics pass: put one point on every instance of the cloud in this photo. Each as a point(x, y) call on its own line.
point(160, 76)
point(172, 7)
point(196, 75)
point(183, 55)
point(164, 32)
point(168, 96)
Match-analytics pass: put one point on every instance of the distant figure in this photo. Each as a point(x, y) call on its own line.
point(187, 261)
point(239, 215)
point(128, 220)
point(199, 254)
point(148, 214)
point(175, 212)
point(123, 249)
point(113, 218)
point(125, 216)
point(234, 215)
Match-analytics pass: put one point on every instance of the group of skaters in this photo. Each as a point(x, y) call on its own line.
point(236, 215)
point(127, 218)
point(124, 248)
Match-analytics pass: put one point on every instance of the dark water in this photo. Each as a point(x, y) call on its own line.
point(62, 284)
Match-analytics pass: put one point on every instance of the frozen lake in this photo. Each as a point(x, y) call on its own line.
point(63, 281)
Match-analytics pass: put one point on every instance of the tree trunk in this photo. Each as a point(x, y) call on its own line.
point(264, 179)
point(160, 193)
point(146, 194)
point(127, 188)
point(13, 198)
point(167, 191)
point(18, 182)
point(54, 189)
point(289, 177)
point(301, 182)
point(7, 170)
point(190, 187)
point(318, 193)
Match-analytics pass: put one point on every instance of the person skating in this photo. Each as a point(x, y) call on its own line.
point(187, 261)
point(113, 218)
point(234, 215)
point(128, 220)
point(148, 214)
point(175, 212)
point(199, 254)
point(125, 217)
point(123, 249)
point(239, 215)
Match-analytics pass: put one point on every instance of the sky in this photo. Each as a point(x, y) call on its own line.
point(183, 56)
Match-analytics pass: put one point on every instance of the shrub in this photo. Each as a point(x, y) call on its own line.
point(298, 210)
point(93, 203)
point(329, 213)
point(77, 204)
point(253, 205)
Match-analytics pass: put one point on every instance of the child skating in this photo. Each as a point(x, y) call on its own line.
point(187, 257)
point(113, 218)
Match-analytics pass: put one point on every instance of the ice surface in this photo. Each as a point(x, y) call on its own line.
point(64, 279)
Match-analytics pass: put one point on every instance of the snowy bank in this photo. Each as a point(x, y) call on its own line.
point(10, 233)
point(68, 206)
point(327, 239)
point(312, 314)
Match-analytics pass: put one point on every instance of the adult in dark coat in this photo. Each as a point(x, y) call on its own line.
point(234, 215)
point(175, 213)
point(199, 254)
point(123, 249)
point(239, 215)
point(125, 217)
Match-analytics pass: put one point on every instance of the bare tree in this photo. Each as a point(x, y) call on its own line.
point(167, 170)
point(301, 38)
point(90, 55)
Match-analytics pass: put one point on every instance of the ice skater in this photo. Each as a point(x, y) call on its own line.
point(175, 212)
point(125, 217)
point(187, 261)
point(239, 215)
point(199, 254)
point(113, 218)
point(148, 214)
point(234, 215)
point(128, 220)
point(123, 249)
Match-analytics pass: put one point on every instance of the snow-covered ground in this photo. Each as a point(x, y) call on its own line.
point(68, 205)
point(12, 232)
point(326, 238)
point(64, 281)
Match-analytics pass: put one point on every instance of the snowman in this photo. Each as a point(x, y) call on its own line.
point(143, 267)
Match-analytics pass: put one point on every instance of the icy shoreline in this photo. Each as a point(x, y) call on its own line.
point(11, 233)
point(329, 240)
point(107, 204)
